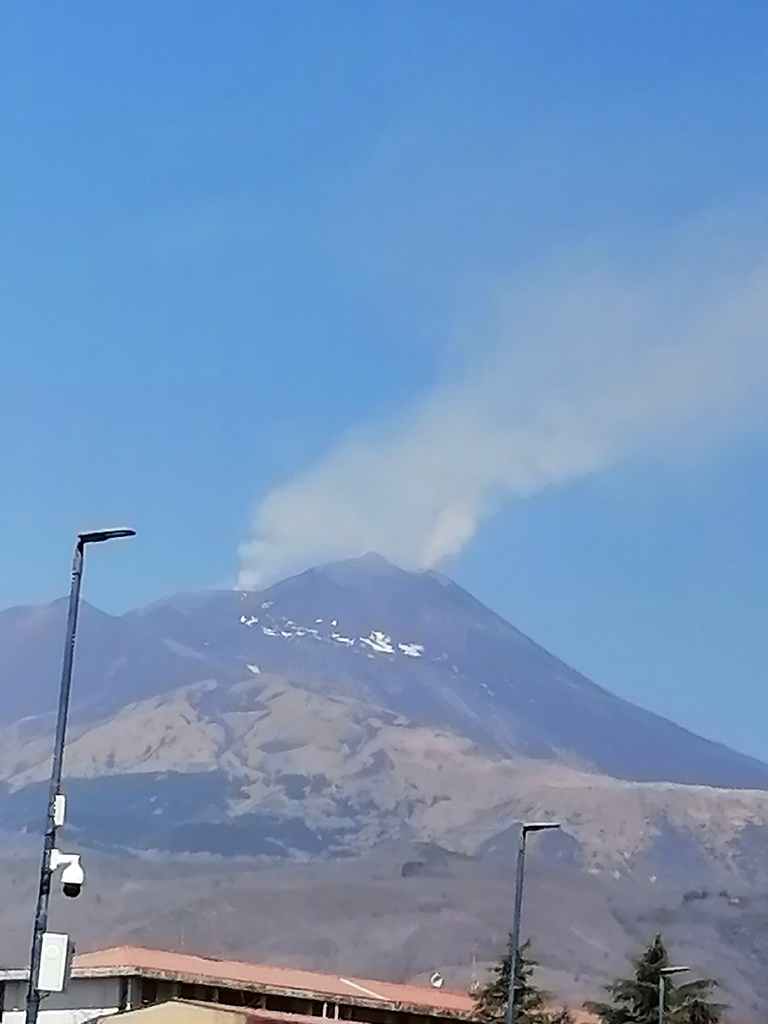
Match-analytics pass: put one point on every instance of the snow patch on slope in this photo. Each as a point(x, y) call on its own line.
point(377, 641)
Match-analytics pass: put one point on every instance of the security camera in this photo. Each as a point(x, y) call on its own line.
point(72, 876)
point(73, 879)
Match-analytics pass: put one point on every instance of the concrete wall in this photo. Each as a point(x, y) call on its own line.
point(84, 999)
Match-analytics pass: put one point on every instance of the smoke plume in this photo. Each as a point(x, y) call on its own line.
point(585, 368)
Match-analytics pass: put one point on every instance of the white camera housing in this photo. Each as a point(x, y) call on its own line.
point(72, 875)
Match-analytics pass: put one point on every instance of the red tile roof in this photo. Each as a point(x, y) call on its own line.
point(233, 973)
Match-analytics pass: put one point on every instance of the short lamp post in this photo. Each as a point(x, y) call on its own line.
point(663, 975)
point(525, 829)
point(54, 814)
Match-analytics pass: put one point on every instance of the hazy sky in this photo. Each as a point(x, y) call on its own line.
point(486, 281)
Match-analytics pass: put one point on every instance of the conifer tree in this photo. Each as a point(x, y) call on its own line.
point(491, 998)
point(692, 1003)
point(635, 1000)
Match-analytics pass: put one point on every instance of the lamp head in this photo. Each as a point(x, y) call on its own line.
point(97, 536)
point(539, 826)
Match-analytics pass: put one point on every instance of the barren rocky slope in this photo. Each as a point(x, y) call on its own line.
point(266, 766)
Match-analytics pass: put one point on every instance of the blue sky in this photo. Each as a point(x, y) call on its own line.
point(233, 236)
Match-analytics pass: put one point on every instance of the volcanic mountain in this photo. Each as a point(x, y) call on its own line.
point(415, 644)
point(355, 711)
point(419, 645)
point(351, 703)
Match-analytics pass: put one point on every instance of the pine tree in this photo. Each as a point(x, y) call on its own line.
point(491, 998)
point(635, 1000)
point(692, 1003)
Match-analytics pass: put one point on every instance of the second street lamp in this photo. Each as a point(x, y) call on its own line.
point(53, 816)
point(663, 975)
point(525, 829)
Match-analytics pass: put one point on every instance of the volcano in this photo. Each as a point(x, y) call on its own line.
point(414, 644)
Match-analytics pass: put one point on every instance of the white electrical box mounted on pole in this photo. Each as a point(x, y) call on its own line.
point(59, 809)
point(55, 963)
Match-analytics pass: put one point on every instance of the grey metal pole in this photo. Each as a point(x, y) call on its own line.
point(51, 821)
point(49, 840)
point(511, 1013)
point(662, 994)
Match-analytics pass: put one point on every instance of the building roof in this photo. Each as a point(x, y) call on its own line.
point(265, 977)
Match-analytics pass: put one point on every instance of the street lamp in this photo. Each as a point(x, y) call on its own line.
point(525, 829)
point(55, 817)
point(664, 972)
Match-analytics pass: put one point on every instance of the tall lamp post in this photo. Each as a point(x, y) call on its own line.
point(663, 975)
point(526, 828)
point(54, 816)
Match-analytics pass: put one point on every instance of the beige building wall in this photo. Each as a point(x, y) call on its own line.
point(181, 1013)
